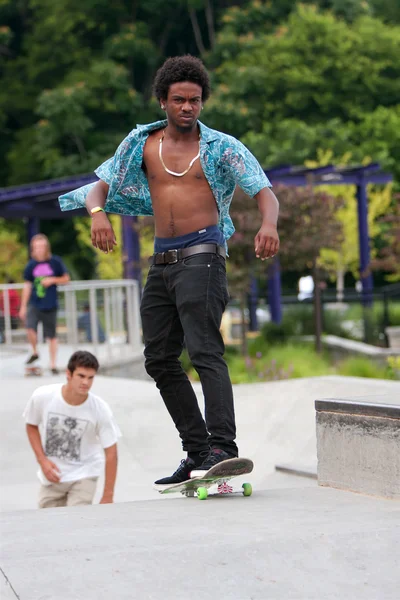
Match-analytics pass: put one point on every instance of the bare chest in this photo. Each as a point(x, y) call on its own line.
point(172, 164)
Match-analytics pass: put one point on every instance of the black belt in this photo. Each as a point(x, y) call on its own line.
point(173, 256)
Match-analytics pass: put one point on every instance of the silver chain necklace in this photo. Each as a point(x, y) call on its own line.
point(173, 172)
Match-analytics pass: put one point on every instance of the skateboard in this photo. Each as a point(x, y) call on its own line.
point(219, 475)
point(33, 371)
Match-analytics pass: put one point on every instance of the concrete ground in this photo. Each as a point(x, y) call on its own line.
point(279, 544)
point(290, 540)
point(276, 426)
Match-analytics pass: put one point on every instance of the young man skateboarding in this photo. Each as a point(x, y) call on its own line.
point(72, 433)
point(185, 174)
point(43, 273)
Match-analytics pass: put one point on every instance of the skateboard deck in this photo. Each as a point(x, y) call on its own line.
point(33, 371)
point(219, 475)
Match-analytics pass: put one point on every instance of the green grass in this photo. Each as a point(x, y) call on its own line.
point(288, 361)
point(359, 366)
point(354, 323)
point(355, 311)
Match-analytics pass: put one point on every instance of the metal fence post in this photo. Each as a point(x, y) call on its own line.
point(93, 316)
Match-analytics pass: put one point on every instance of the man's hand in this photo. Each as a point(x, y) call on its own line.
point(107, 499)
point(47, 281)
point(50, 470)
point(22, 313)
point(266, 242)
point(103, 236)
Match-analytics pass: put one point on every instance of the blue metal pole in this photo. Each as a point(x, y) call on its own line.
point(32, 227)
point(275, 291)
point(131, 249)
point(252, 303)
point(363, 237)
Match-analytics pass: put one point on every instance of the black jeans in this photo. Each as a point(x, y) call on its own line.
point(184, 303)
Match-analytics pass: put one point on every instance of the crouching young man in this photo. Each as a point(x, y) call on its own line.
point(73, 434)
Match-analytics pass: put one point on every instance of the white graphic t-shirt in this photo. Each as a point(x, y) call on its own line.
point(73, 437)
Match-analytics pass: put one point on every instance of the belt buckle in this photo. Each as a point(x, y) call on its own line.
point(174, 254)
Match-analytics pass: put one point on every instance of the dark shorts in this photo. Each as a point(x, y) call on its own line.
point(47, 317)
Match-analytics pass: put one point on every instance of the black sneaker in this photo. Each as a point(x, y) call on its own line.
point(55, 371)
point(215, 456)
point(32, 359)
point(181, 474)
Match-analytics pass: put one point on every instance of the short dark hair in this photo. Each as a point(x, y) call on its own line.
point(81, 358)
point(181, 68)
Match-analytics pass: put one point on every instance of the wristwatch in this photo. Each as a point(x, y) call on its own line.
point(96, 209)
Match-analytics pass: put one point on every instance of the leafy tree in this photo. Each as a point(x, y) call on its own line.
point(387, 10)
point(76, 76)
point(108, 266)
point(313, 82)
point(388, 256)
point(346, 257)
point(242, 264)
point(13, 255)
point(307, 225)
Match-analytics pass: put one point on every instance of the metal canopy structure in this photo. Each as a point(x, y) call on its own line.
point(37, 201)
point(360, 176)
point(329, 175)
point(40, 200)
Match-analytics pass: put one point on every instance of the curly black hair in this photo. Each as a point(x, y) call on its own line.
point(181, 68)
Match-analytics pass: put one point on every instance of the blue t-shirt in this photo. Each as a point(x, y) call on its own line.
point(41, 297)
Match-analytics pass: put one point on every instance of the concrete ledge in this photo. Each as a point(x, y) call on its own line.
point(342, 347)
point(391, 411)
point(358, 446)
point(393, 334)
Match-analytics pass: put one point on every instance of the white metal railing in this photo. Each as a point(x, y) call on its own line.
point(99, 312)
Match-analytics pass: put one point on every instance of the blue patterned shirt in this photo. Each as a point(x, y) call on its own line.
point(225, 161)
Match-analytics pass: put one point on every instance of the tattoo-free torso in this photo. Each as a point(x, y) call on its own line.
point(180, 204)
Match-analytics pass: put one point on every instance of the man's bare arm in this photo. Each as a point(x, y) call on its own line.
point(61, 280)
point(50, 470)
point(97, 195)
point(266, 242)
point(26, 294)
point(103, 236)
point(110, 474)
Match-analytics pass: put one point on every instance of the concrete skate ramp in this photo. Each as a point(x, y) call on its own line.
point(282, 544)
point(275, 421)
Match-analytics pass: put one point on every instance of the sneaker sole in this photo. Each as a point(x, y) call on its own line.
point(165, 486)
point(231, 466)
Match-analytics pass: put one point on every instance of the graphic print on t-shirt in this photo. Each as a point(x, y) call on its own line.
point(64, 436)
point(40, 271)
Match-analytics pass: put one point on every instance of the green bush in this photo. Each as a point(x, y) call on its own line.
point(275, 333)
point(370, 321)
point(360, 366)
point(230, 351)
point(299, 321)
point(273, 362)
point(185, 361)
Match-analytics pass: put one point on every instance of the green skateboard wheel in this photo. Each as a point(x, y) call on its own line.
point(247, 489)
point(202, 493)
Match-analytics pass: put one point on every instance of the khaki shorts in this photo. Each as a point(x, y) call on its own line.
point(70, 493)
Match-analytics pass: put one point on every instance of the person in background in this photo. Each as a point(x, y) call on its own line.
point(73, 434)
point(14, 301)
point(306, 288)
point(43, 273)
point(85, 324)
